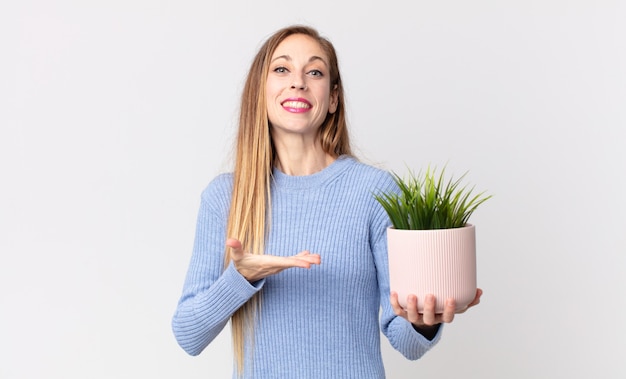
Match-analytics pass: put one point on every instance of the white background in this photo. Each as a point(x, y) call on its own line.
point(115, 114)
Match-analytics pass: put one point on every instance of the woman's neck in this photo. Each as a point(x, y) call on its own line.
point(302, 161)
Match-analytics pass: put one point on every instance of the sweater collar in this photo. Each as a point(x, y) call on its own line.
point(281, 180)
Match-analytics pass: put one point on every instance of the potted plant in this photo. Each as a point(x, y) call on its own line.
point(431, 245)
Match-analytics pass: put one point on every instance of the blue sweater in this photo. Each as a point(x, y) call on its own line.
point(324, 322)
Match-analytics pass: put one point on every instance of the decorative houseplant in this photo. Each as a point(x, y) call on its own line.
point(431, 245)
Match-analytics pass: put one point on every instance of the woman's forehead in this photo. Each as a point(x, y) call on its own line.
point(299, 45)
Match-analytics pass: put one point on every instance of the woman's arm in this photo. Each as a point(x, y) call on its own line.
point(211, 294)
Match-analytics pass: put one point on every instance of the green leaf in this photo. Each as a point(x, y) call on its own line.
point(429, 201)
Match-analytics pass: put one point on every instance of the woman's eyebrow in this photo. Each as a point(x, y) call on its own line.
point(312, 59)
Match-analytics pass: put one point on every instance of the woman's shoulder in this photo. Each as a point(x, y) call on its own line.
point(370, 173)
point(219, 188)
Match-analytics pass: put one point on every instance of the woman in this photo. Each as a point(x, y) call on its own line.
point(304, 272)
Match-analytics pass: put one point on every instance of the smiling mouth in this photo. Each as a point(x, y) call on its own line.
point(296, 105)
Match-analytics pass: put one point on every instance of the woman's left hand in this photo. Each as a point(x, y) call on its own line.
point(428, 317)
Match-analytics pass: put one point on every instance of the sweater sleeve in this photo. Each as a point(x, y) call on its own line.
point(400, 333)
point(211, 294)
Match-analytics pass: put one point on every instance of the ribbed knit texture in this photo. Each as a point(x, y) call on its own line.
point(319, 323)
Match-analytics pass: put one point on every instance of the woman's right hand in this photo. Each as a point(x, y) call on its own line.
point(255, 267)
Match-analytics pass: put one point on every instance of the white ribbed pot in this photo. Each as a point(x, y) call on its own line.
point(441, 262)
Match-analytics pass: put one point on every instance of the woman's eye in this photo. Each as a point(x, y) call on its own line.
point(316, 73)
point(280, 70)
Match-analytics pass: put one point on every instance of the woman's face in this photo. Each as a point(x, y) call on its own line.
point(298, 91)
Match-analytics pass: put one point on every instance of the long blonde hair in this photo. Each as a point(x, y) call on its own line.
point(249, 215)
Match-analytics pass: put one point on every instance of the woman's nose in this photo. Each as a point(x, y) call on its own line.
point(298, 83)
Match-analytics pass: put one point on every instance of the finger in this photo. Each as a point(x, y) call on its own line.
point(281, 263)
point(289, 262)
point(474, 302)
point(411, 309)
point(449, 310)
point(236, 249)
point(428, 316)
point(233, 243)
point(313, 258)
point(395, 304)
point(308, 257)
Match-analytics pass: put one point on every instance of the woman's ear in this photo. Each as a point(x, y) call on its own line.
point(334, 100)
